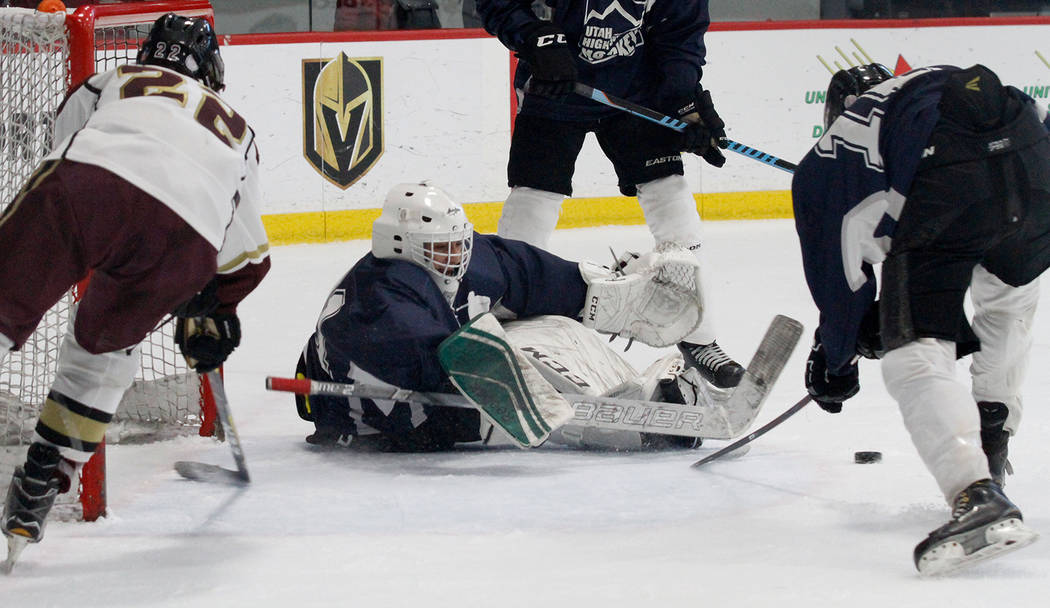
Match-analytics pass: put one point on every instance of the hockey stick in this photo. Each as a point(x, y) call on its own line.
point(758, 433)
point(678, 125)
point(714, 419)
point(654, 417)
point(200, 471)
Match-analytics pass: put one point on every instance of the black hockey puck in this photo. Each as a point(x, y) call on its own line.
point(867, 457)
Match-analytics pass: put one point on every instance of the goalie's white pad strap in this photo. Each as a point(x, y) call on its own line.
point(658, 306)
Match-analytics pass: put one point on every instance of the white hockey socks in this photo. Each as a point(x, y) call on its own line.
point(938, 411)
point(530, 215)
point(1002, 320)
point(5, 347)
point(84, 397)
point(670, 211)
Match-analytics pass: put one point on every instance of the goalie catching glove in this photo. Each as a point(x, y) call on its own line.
point(206, 342)
point(656, 298)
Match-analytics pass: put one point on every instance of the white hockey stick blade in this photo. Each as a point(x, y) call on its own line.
point(769, 360)
point(199, 471)
point(15, 545)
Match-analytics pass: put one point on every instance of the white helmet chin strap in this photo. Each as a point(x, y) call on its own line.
point(449, 287)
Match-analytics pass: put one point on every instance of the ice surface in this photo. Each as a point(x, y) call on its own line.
point(794, 522)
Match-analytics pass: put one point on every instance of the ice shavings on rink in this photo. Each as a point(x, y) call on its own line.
point(792, 523)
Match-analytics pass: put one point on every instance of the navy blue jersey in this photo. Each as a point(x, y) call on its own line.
point(385, 318)
point(848, 194)
point(646, 51)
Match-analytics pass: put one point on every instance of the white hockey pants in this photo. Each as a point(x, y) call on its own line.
point(939, 411)
point(1003, 321)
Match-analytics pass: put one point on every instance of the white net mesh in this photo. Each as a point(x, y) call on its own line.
point(34, 77)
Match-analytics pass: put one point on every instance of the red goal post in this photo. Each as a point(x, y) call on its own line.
point(43, 56)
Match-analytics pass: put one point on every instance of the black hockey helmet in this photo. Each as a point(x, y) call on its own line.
point(855, 81)
point(186, 45)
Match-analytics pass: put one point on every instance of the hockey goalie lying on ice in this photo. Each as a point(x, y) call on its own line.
point(422, 312)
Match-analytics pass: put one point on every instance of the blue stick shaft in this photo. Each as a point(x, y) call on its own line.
point(678, 125)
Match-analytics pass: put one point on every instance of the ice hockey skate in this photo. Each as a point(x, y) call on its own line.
point(995, 440)
point(713, 364)
point(984, 524)
point(30, 497)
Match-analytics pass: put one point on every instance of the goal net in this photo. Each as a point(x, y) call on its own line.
point(41, 56)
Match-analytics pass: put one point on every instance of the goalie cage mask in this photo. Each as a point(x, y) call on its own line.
point(422, 225)
point(186, 45)
point(855, 81)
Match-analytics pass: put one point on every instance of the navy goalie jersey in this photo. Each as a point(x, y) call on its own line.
point(383, 322)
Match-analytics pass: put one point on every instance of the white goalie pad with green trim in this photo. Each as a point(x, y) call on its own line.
point(501, 383)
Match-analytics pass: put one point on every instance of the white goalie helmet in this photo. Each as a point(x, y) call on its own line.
point(423, 225)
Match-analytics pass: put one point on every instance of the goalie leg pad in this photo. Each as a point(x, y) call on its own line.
point(500, 382)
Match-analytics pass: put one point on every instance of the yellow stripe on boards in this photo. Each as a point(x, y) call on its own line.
point(324, 227)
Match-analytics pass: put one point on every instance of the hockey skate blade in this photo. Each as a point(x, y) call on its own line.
point(15, 545)
point(976, 546)
point(199, 471)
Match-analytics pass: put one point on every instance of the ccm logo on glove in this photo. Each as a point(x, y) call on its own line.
point(549, 39)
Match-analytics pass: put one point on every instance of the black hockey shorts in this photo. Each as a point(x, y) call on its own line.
point(543, 151)
point(991, 211)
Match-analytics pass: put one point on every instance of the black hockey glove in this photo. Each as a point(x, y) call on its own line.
point(869, 338)
point(829, 390)
point(553, 66)
point(717, 128)
point(706, 132)
point(206, 342)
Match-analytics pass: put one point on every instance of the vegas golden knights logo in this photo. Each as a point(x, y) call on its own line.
point(342, 116)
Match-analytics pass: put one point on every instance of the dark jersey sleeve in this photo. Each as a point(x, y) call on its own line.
point(387, 317)
point(675, 48)
point(848, 193)
point(505, 19)
point(525, 279)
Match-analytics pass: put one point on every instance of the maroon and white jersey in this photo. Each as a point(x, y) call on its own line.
point(177, 140)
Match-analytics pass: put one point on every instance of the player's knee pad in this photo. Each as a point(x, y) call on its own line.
point(670, 211)
point(530, 215)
